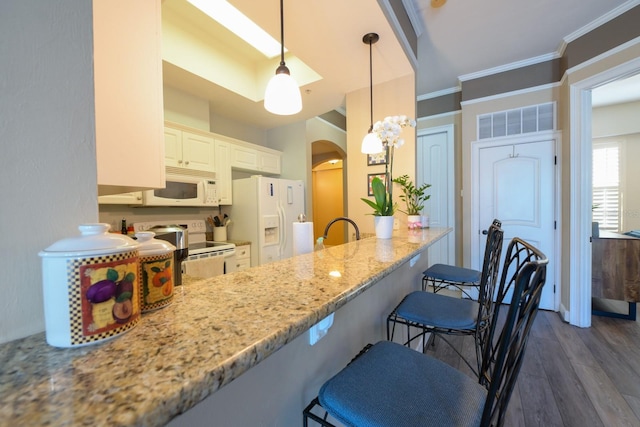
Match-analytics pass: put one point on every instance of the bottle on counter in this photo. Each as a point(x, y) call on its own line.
point(123, 227)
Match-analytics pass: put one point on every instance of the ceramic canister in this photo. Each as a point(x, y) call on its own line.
point(91, 287)
point(156, 276)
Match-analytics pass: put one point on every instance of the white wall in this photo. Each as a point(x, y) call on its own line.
point(189, 110)
point(48, 180)
point(619, 119)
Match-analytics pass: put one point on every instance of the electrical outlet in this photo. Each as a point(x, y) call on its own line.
point(396, 224)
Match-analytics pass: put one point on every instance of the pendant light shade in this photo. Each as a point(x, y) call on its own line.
point(371, 144)
point(282, 96)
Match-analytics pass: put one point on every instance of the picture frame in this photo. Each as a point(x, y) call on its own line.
point(377, 159)
point(370, 177)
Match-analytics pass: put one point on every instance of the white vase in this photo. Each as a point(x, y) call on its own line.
point(414, 221)
point(383, 226)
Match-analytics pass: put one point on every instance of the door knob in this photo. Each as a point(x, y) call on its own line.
point(485, 232)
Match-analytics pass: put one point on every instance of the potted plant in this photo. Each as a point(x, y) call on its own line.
point(387, 132)
point(383, 205)
point(383, 209)
point(414, 198)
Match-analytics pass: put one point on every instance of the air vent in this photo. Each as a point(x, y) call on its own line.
point(535, 118)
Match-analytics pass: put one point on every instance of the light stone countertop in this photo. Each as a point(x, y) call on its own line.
point(214, 331)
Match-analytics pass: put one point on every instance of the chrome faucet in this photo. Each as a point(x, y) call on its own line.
point(341, 218)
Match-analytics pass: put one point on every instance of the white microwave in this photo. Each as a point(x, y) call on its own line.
point(184, 187)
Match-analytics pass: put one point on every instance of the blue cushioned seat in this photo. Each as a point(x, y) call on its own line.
point(369, 393)
point(451, 273)
point(439, 310)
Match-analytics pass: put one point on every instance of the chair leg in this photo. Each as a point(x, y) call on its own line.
point(307, 414)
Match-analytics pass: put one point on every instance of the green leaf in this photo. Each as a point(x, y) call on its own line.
point(112, 275)
point(379, 193)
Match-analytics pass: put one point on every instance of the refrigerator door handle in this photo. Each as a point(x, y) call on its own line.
point(283, 231)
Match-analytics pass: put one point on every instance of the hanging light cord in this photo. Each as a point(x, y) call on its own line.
point(370, 39)
point(282, 33)
point(371, 83)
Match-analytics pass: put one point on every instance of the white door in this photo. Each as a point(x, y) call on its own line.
point(435, 167)
point(516, 185)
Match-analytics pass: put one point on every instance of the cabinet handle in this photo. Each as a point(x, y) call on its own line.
point(179, 161)
point(187, 162)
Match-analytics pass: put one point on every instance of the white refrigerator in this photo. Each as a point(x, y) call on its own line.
point(263, 212)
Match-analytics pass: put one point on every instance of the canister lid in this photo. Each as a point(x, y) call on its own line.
point(151, 246)
point(93, 239)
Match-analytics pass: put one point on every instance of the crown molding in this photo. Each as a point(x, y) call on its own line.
point(438, 116)
point(509, 94)
point(439, 93)
point(509, 67)
point(614, 13)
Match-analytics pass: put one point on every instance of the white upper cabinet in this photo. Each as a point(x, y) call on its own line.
point(223, 172)
point(256, 159)
point(128, 95)
point(244, 158)
point(189, 150)
point(269, 162)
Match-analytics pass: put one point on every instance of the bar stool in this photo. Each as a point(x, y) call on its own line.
point(425, 313)
point(442, 276)
point(390, 385)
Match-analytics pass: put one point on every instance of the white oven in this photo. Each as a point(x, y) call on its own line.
point(205, 258)
point(218, 257)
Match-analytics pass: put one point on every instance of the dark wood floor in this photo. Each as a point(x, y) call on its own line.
point(573, 377)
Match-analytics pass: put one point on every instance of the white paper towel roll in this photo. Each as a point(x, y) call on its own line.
point(302, 238)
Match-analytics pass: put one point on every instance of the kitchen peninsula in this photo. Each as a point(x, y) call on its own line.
point(237, 343)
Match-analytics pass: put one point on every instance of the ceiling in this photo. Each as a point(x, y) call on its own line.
point(460, 38)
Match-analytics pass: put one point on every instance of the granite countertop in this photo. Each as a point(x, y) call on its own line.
point(214, 331)
point(239, 242)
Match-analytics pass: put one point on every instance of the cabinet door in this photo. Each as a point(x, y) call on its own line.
point(126, 32)
point(243, 257)
point(198, 152)
point(134, 198)
point(244, 158)
point(172, 147)
point(269, 163)
point(223, 172)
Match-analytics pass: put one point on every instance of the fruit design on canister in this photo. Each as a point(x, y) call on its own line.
point(157, 281)
point(110, 299)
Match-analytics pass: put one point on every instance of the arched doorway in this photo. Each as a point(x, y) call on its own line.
point(328, 196)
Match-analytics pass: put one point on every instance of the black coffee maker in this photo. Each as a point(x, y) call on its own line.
point(178, 237)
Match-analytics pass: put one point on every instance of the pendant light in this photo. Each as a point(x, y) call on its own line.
point(371, 144)
point(282, 96)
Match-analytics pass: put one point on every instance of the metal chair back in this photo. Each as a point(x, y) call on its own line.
point(524, 273)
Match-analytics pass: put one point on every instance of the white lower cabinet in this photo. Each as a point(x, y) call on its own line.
point(243, 257)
